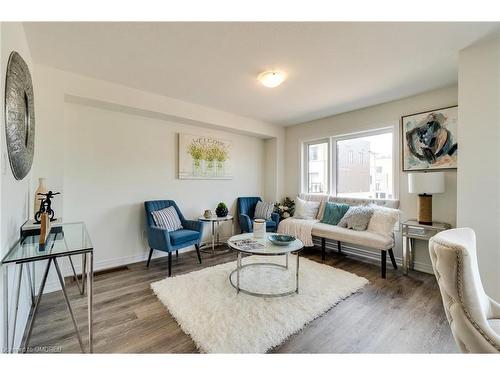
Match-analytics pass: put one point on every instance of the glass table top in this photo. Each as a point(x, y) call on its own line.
point(216, 218)
point(263, 245)
point(63, 240)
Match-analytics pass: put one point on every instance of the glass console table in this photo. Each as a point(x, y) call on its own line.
point(67, 240)
point(413, 230)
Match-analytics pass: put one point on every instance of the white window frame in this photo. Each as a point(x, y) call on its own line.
point(305, 164)
point(332, 160)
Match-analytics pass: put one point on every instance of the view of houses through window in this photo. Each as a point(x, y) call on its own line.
point(317, 168)
point(363, 167)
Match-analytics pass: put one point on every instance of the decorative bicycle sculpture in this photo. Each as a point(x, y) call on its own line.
point(46, 206)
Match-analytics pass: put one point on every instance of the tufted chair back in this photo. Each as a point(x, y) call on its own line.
point(474, 317)
point(246, 205)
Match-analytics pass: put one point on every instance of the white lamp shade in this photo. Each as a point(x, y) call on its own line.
point(426, 183)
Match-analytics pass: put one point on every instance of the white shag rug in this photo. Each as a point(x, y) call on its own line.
point(219, 320)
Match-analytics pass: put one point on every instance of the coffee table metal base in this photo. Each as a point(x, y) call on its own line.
point(236, 273)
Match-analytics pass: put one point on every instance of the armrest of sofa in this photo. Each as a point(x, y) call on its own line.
point(276, 218)
point(159, 238)
point(245, 223)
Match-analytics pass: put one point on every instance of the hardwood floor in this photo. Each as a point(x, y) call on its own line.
point(401, 314)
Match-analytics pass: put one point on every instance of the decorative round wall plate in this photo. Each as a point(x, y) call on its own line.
point(19, 116)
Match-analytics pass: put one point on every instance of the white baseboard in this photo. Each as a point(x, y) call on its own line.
point(53, 286)
point(373, 256)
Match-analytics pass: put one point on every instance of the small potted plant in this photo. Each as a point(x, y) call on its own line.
point(221, 210)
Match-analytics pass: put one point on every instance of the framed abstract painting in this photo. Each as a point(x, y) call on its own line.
point(429, 140)
point(204, 158)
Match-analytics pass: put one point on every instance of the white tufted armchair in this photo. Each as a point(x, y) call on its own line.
point(474, 317)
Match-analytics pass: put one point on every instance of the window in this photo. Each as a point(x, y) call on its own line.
point(362, 165)
point(317, 167)
point(313, 152)
point(351, 157)
point(372, 174)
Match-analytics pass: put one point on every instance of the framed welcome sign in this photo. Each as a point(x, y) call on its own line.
point(204, 158)
point(429, 140)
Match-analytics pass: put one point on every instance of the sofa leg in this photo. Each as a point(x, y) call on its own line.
point(169, 263)
point(384, 264)
point(177, 253)
point(339, 247)
point(393, 260)
point(323, 250)
point(198, 252)
point(149, 257)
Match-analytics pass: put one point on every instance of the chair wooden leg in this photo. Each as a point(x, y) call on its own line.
point(393, 260)
point(198, 252)
point(323, 249)
point(149, 257)
point(384, 264)
point(339, 247)
point(169, 263)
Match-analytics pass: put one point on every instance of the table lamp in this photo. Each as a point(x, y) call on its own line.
point(425, 184)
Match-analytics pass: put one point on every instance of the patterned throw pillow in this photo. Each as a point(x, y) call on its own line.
point(167, 218)
point(357, 218)
point(334, 212)
point(263, 210)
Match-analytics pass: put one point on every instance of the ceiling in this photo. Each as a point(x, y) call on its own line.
point(332, 67)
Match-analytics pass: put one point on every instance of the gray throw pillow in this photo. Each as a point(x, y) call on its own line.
point(263, 210)
point(357, 218)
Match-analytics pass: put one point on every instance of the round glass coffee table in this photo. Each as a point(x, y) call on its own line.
point(264, 278)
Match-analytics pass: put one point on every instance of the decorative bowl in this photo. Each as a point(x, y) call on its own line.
point(281, 239)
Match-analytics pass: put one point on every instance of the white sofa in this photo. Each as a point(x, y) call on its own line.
point(369, 239)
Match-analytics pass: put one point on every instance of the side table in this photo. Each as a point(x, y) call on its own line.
point(215, 221)
point(412, 230)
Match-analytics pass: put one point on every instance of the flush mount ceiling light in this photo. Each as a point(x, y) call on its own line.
point(271, 78)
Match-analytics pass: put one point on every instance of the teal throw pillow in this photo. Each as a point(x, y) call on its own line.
point(334, 212)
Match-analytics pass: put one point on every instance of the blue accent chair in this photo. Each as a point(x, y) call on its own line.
point(163, 240)
point(246, 211)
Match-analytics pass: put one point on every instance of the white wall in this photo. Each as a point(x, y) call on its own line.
point(479, 155)
point(270, 188)
point(15, 195)
point(114, 161)
point(379, 116)
point(109, 148)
